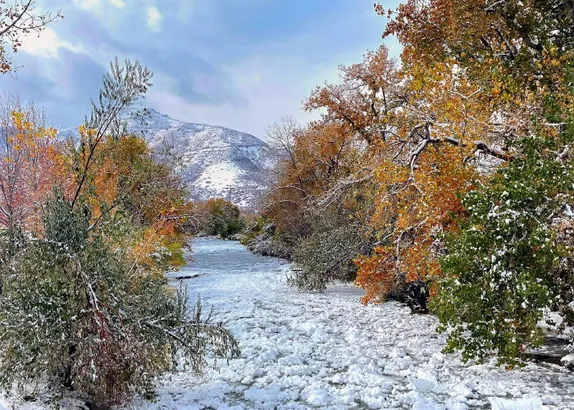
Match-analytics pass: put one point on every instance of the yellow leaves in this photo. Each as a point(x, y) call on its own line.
point(87, 133)
point(17, 119)
point(33, 159)
point(413, 205)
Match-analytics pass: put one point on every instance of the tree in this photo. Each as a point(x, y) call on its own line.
point(501, 269)
point(31, 163)
point(84, 302)
point(219, 217)
point(368, 93)
point(516, 60)
point(314, 159)
point(81, 313)
point(415, 137)
point(475, 81)
point(513, 51)
point(122, 86)
point(17, 20)
point(127, 182)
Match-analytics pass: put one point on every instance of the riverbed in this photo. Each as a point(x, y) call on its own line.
point(326, 350)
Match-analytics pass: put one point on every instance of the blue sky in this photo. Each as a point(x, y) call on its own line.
point(243, 64)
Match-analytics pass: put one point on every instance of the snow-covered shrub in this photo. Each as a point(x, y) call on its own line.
point(500, 270)
point(76, 312)
point(327, 254)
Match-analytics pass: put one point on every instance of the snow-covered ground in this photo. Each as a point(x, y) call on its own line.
point(327, 351)
point(309, 350)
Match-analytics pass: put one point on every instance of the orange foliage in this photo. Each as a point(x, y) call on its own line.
point(468, 74)
point(412, 210)
point(32, 163)
point(125, 178)
point(320, 155)
point(415, 132)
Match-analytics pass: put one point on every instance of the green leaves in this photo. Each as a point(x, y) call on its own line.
point(82, 314)
point(499, 270)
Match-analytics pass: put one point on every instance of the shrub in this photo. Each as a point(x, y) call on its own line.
point(327, 254)
point(78, 312)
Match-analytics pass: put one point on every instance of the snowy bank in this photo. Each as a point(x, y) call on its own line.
point(312, 350)
point(326, 350)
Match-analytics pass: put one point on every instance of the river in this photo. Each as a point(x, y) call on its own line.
point(326, 350)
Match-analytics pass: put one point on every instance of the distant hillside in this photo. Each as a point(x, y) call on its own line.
point(214, 161)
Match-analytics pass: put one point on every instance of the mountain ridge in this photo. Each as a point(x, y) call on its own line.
point(214, 161)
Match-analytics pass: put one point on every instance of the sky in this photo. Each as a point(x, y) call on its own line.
point(242, 64)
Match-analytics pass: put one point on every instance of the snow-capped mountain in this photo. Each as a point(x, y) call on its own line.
point(216, 162)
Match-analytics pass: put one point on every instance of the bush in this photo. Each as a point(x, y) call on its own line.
point(79, 313)
point(327, 254)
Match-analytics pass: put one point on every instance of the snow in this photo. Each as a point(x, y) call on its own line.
point(568, 361)
point(326, 350)
point(219, 176)
point(498, 403)
point(313, 350)
point(215, 161)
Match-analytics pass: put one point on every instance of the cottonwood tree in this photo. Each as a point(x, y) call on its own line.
point(472, 90)
point(500, 269)
point(31, 162)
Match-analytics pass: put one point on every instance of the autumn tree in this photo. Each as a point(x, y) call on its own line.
point(122, 86)
point(84, 303)
point(501, 267)
point(314, 158)
point(514, 52)
point(474, 76)
point(410, 134)
point(319, 166)
point(219, 217)
point(429, 157)
point(127, 182)
point(18, 19)
point(366, 98)
point(31, 163)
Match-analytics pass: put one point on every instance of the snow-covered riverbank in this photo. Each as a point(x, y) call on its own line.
point(327, 351)
point(305, 350)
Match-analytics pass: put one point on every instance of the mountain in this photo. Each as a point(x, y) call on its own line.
point(216, 162)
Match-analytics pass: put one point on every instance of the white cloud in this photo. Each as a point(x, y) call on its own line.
point(154, 19)
point(271, 88)
point(87, 4)
point(47, 44)
point(118, 3)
